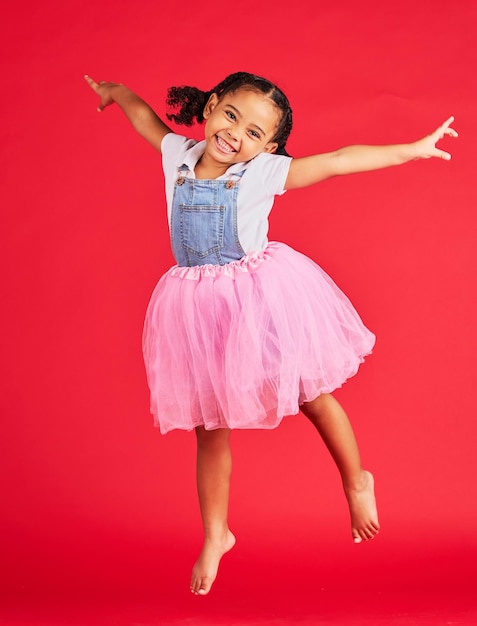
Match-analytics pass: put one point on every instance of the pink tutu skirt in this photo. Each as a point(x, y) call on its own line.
point(244, 344)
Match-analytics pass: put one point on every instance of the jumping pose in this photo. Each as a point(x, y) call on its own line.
point(242, 331)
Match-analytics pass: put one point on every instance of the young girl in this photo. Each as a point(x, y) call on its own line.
point(242, 332)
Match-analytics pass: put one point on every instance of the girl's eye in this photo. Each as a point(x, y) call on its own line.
point(254, 134)
point(230, 115)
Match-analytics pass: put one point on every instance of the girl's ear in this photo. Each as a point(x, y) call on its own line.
point(210, 106)
point(271, 147)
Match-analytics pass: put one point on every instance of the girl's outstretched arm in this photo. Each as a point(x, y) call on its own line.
point(313, 169)
point(138, 112)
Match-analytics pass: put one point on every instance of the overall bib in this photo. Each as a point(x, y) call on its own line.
point(204, 220)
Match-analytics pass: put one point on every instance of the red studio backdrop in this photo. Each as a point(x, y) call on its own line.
point(98, 509)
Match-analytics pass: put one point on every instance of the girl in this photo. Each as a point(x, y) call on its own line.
point(242, 332)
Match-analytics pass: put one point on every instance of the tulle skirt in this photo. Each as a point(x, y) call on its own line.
point(244, 344)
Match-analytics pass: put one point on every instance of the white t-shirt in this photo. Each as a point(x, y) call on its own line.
point(264, 178)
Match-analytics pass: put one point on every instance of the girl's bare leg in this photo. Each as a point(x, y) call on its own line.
point(329, 418)
point(214, 467)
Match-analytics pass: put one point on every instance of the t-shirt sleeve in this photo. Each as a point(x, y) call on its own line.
point(272, 172)
point(172, 147)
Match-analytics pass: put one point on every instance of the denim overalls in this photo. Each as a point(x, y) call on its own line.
point(204, 220)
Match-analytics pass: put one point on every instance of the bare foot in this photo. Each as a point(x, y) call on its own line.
point(362, 506)
point(204, 571)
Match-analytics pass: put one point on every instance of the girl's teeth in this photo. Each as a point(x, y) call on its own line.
point(223, 144)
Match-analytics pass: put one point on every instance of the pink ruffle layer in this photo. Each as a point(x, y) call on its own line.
point(244, 344)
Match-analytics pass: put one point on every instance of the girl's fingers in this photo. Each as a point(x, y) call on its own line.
point(449, 121)
point(93, 84)
point(446, 124)
point(442, 155)
point(95, 87)
point(451, 132)
point(445, 129)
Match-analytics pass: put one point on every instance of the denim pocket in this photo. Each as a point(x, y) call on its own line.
point(202, 229)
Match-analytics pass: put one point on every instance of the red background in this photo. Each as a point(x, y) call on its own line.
point(99, 518)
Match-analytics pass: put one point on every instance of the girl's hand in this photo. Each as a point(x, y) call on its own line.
point(426, 147)
point(103, 89)
point(138, 112)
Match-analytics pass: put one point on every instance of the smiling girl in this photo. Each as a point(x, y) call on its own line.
point(242, 331)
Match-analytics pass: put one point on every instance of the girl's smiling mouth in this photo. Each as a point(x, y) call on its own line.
point(223, 145)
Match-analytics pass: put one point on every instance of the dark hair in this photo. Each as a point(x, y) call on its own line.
point(190, 102)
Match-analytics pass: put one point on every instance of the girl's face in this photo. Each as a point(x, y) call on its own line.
point(239, 126)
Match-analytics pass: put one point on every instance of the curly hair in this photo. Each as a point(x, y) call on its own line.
point(190, 102)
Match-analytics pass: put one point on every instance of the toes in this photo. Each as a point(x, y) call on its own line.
point(364, 534)
point(200, 587)
point(195, 584)
point(205, 586)
point(373, 530)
